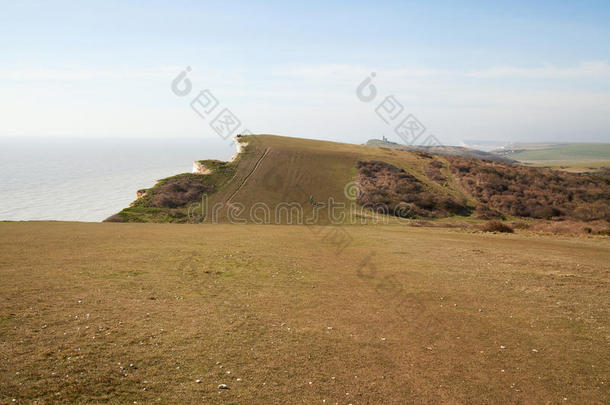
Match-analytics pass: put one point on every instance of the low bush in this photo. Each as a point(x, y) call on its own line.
point(497, 226)
point(178, 191)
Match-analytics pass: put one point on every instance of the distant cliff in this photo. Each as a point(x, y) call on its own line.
point(443, 150)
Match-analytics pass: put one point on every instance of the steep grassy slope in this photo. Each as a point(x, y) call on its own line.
point(293, 180)
point(117, 313)
point(278, 170)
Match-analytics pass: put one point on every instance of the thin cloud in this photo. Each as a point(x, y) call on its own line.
point(584, 70)
point(46, 74)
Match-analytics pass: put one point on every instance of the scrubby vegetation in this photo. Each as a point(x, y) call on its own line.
point(387, 188)
point(496, 190)
point(484, 211)
point(436, 172)
point(178, 191)
point(603, 173)
point(532, 192)
point(168, 200)
point(497, 226)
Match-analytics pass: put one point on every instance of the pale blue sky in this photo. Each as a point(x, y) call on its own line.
point(477, 70)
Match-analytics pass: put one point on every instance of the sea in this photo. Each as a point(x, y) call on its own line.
point(89, 179)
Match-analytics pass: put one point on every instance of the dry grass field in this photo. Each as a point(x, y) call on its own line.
point(160, 313)
point(575, 157)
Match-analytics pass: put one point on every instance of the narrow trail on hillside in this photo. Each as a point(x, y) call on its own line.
point(258, 162)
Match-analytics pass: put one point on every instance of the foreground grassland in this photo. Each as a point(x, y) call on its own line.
point(283, 314)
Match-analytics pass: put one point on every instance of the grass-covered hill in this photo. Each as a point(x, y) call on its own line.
point(443, 150)
point(316, 176)
point(573, 157)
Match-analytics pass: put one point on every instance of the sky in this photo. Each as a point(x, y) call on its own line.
point(497, 71)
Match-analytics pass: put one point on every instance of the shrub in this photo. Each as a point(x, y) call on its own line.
point(544, 212)
point(497, 226)
point(178, 191)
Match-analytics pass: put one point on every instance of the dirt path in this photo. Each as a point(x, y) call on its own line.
point(258, 162)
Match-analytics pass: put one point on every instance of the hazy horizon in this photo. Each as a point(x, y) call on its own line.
point(493, 72)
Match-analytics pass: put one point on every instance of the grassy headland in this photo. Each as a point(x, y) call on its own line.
point(273, 171)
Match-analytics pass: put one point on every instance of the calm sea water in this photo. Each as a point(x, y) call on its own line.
point(70, 179)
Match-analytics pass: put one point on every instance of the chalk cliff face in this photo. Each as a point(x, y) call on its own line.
point(200, 168)
point(240, 148)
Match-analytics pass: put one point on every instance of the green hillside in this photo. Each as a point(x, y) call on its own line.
point(293, 180)
point(578, 157)
point(273, 170)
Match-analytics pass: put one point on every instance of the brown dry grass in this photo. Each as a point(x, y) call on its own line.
point(424, 324)
point(568, 227)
